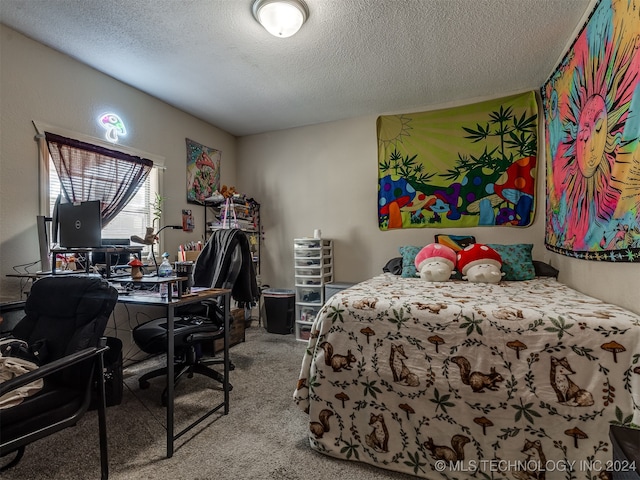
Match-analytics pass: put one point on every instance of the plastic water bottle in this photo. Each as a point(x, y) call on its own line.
point(164, 270)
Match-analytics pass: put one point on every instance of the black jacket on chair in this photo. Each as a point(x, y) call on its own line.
point(214, 263)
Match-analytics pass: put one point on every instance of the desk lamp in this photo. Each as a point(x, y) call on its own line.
point(150, 239)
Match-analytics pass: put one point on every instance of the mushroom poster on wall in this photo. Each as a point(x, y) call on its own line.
point(466, 166)
point(203, 172)
point(591, 107)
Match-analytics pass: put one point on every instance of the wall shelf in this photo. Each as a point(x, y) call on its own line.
point(247, 216)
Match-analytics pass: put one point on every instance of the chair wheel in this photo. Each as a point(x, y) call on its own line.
point(143, 384)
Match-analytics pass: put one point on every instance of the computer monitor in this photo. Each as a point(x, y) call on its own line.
point(80, 224)
point(43, 242)
point(115, 258)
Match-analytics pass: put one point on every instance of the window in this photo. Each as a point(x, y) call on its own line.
point(132, 219)
point(93, 169)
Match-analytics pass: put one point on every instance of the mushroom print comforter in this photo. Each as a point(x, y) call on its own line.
point(516, 380)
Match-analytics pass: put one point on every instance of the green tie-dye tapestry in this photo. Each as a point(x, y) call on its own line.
point(459, 167)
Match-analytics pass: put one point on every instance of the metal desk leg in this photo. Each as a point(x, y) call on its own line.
point(170, 375)
point(227, 336)
point(102, 420)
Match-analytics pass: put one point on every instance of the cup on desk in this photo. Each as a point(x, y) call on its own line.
point(185, 269)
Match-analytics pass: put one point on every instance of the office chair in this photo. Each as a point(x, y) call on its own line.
point(65, 316)
point(225, 262)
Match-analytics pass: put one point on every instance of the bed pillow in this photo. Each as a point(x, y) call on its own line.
point(517, 263)
point(409, 253)
point(393, 266)
point(455, 242)
point(544, 269)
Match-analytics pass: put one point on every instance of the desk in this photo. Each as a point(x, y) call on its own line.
point(170, 304)
point(25, 280)
point(106, 250)
point(153, 281)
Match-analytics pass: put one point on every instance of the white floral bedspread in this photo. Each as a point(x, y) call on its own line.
point(518, 380)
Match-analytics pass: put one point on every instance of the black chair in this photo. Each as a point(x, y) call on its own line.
point(225, 262)
point(626, 454)
point(65, 316)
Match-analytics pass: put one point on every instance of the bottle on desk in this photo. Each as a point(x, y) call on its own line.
point(165, 270)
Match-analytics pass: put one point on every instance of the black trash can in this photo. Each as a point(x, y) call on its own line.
point(280, 307)
point(113, 375)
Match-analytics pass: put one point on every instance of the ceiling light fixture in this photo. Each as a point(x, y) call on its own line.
point(281, 18)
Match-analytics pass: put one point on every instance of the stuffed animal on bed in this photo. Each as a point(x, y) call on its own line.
point(435, 262)
point(480, 264)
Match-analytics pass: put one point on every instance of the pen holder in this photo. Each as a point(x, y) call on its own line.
point(189, 255)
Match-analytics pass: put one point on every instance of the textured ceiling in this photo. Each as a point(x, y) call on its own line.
point(353, 57)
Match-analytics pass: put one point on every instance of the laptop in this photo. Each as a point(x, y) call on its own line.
point(80, 224)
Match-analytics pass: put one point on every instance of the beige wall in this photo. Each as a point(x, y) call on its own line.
point(322, 176)
point(38, 83)
point(325, 176)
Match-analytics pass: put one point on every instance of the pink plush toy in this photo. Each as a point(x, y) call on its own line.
point(480, 263)
point(435, 262)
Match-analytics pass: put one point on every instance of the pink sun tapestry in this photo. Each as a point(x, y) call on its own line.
point(467, 166)
point(591, 107)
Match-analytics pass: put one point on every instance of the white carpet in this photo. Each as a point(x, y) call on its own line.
point(264, 436)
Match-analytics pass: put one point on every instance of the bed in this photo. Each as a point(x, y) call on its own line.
point(517, 380)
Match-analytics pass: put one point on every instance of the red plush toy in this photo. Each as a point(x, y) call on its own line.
point(480, 263)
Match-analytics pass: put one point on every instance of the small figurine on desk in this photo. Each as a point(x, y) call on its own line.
point(70, 263)
point(149, 237)
point(136, 271)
